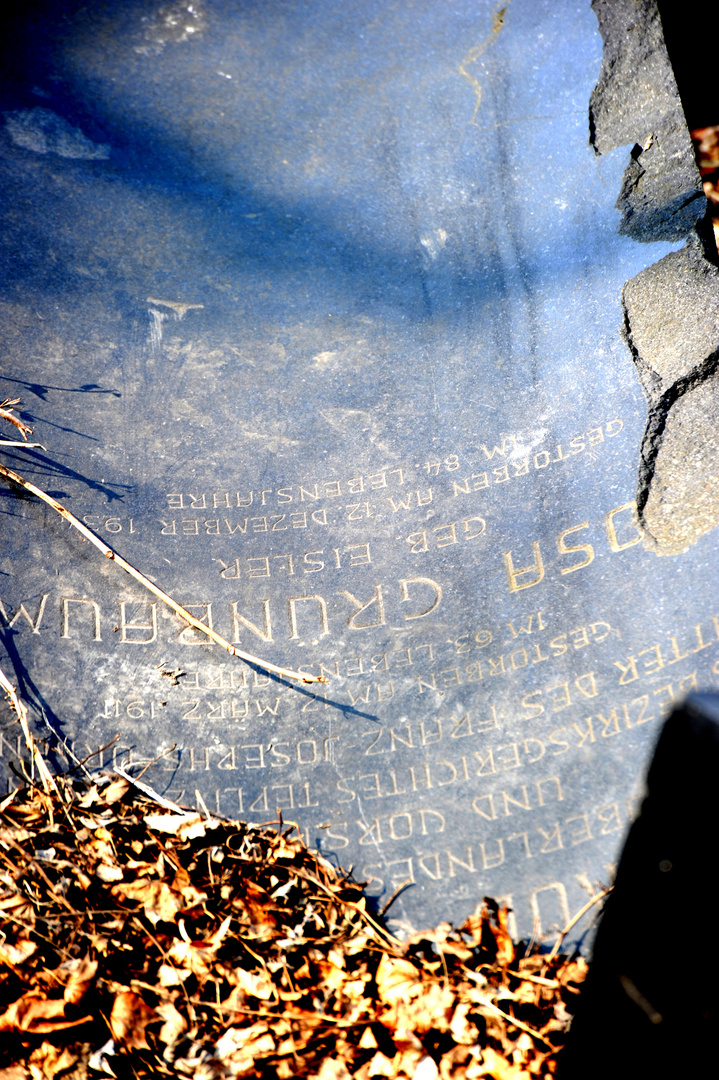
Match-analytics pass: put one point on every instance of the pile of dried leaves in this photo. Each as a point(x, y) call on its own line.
point(138, 939)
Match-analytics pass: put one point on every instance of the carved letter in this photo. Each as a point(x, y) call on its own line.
point(150, 627)
point(292, 602)
point(66, 601)
point(376, 599)
point(611, 531)
point(404, 593)
point(537, 568)
point(265, 634)
point(566, 549)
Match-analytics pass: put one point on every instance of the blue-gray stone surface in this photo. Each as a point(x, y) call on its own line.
point(317, 310)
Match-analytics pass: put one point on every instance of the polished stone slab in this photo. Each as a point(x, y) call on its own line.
point(317, 310)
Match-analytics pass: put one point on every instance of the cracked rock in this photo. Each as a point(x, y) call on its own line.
point(671, 309)
point(682, 501)
point(636, 101)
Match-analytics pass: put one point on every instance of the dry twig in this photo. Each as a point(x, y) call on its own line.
point(109, 553)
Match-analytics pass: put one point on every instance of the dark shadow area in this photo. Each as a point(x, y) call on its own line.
point(690, 34)
point(650, 1004)
point(54, 468)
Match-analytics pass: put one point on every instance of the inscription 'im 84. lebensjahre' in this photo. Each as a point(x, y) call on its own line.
point(382, 428)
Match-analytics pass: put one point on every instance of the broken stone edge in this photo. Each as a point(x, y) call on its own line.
point(671, 309)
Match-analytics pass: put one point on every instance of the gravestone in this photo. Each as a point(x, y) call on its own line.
point(318, 313)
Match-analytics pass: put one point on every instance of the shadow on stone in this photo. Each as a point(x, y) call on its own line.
point(651, 1001)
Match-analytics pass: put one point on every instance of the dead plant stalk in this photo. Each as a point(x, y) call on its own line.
point(108, 552)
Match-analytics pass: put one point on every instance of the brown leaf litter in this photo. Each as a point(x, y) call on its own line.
point(142, 941)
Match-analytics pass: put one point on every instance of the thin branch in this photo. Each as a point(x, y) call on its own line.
point(573, 922)
point(108, 552)
point(152, 794)
point(21, 709)
point(25, 445)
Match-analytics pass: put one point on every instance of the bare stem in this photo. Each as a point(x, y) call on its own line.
point(108, 552)
point(21, 709)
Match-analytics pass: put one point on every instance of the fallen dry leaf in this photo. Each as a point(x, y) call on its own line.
point(128, 1020)
point(173, 944)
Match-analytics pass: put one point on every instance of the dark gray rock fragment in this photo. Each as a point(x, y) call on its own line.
point(671, 309)
point(636, 101)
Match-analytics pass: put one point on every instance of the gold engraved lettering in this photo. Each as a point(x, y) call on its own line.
point(372, 790)
point(558, 742)
point(542, 751)
point(403, 822)
point(435, 873)
point(258, 761)
point(502, 450)
point(433, 737)
point(362, 695)
point(229, 760)
point(586, 684)
point(238, 527)
point(405, 595)
point(568, 549)
point(449, 537)
point(418, 780)
point(263, 708)
point(552, 839)
point(423, 684)
point(454, 860)
point(628, 670)
point(523, 803)
point(341, 841)
point(486, 763)
point(453, 770)
point(487, 810)
point(610, 817)
point(539, 784)
point(582, 833)
point(283, 759)
point(473, 527)
point(536, 568)
point(490, 862)
point(657, 663)
point(584, 735)
point(614, 543)
point(426, 815)
point(417, 542)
